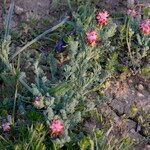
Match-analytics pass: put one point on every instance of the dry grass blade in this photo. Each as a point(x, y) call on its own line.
point(9, 19)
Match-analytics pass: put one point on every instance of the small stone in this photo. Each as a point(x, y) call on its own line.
point(130, 124)
point(18, 10)
point(132, 92)
point(118, 106)
point(140, 87)
point(135, 136)
point(140, 94)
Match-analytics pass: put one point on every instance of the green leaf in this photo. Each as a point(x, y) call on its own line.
point(9, 19)
point(139, 39)
point(85, 143)
point(59, 89)
point(111, 30)
point(53, 65)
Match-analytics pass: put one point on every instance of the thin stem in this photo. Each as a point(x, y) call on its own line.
point(69, 5)
point(15, 100)
point(128, 41)
point(25, 85)
point(9, 19)
point(16, 91)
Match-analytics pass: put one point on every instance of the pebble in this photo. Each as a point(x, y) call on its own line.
point(140, 87)
point(140, 94)
point(18, 10)
point(132, 92)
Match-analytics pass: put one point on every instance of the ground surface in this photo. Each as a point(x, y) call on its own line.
point(130, 105)
point(129, 95)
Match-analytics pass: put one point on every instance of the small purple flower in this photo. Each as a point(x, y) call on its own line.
point(6, 126)
point(60, 46)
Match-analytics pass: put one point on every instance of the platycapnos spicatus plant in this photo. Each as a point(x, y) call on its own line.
point(64, 100)
point(135, 37)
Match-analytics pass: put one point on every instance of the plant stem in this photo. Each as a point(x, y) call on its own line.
point(16, 92)
point(15, 100)
point(129, 41)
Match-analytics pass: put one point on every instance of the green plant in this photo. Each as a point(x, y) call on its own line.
point(85, 72)
point(66, 97)
point(136, 43)
point(99, 140)
point(31, 138)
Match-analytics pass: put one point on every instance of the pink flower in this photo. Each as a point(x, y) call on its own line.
point(38, 102)
point(102, 18)
point(132, 12)
point(91, 37)
point(6, 126)
point(145, 26)
point(56, 127)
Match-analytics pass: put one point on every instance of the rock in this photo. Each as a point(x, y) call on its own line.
point(140, 94)
point(135, 136)
point(118, 106)
point(132, 92)
point(140, 87)
point(18, 10)
point(130, 124)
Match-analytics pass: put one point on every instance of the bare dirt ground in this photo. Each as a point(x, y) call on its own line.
point(34, 9)
point(129, 105)
point(47, 9)
point(128, 109)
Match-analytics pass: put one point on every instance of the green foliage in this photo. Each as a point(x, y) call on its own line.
point(35, 116)
point(34, 139)
point(31, 138)
point(145, 71)
point(100, 141)
point(66, 97)
point(136, 43)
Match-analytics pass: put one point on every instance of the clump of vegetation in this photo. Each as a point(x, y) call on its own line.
point(134, 37)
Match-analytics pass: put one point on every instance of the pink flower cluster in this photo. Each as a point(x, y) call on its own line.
point(91, 35)
point(6, 126)
point(56, 127)
point(102, 18)
point(145, 26)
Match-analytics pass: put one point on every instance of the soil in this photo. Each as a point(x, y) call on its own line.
point(48, 9)
point(128, 109)
point(129, 101)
